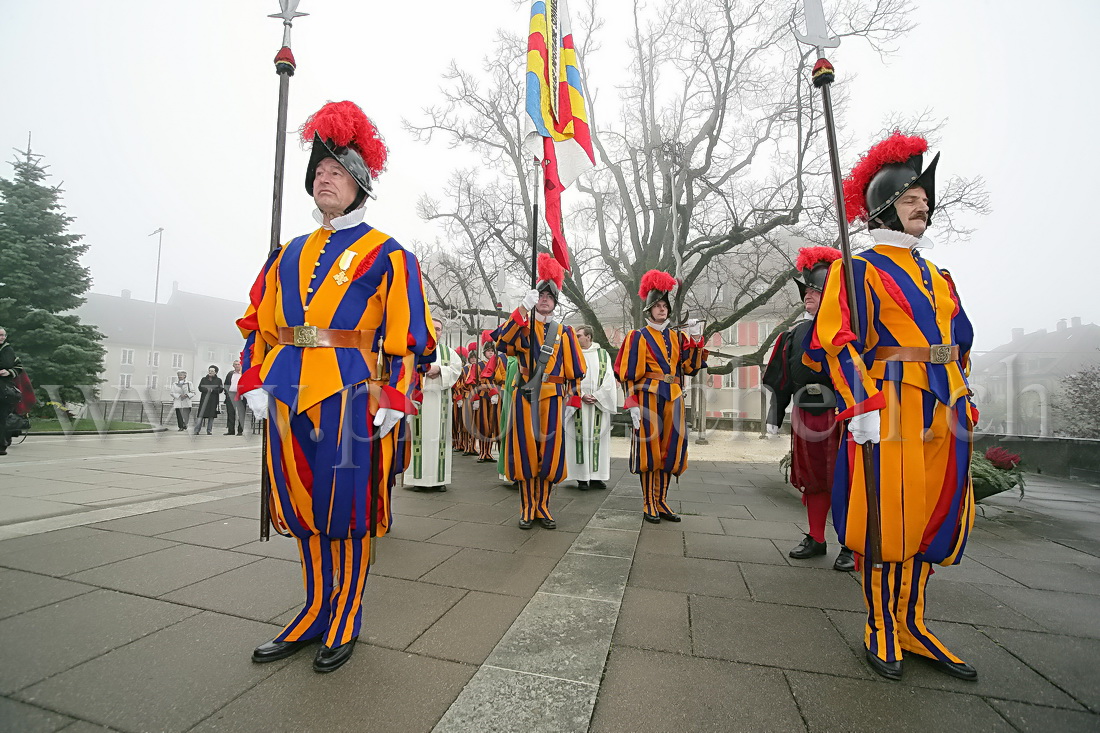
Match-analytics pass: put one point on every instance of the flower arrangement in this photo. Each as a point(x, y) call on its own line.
point(996, 471)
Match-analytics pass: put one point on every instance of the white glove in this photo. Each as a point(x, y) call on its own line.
point(636, 417)
point(494, 399)
point(865, 428)
point(530, 299)
point(773, 429)
point(475, 404)
point(568, 412)
point(258, 400)
point(694, 328)
point(385, 419)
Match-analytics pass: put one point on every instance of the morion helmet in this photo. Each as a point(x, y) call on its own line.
point(813, 264)
point(889, 169)
point(341, 130)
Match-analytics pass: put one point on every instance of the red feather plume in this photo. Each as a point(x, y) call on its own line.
point(345, 124)
point(897, 148)
point(656, 280)
point(810, 256)
point(550, 269)
point(471, 348)
point(486, 336)
point(461, 351)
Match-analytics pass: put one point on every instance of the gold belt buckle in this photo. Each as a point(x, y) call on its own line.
point(669, 378)
point(305, 336)
point(940, 354)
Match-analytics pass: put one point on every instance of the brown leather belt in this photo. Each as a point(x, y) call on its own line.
point(662, 377)
point(938, 354)
point(331, 338)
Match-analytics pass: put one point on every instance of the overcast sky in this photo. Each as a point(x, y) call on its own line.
point(157, 114)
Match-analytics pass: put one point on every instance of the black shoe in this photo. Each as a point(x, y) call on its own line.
point(441, 489)
point(272, 651)
point(3, 451)
point(962, 670)
point(844, 561)
point(597, 484)
point(669, 516)
point(582, 485)
point(889, 670)
point(230, 433)
point(485, 460)
point(651, 518)
point(525, 524)
point(548, 523)
point(514, 486)
point(809, 548)
point(330, 660)
point(181, 430)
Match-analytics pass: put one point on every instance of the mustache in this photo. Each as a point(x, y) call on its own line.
point(923, 216)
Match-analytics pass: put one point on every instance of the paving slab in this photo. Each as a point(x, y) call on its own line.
point(396, 612)
point(470, 629)
point(88, 625)
point(655, 692)
point(26, 591)
point(549, 544)
point(483, 536)
point(505, 701)
point(765, 530)
point(661, 543)
point(1073, 614)
point(732, 549)
point(1048, 575)
point(815, 588)
point(1036, 719)
point(408, 527)
point(254, 591)
point(19, 717)
point(224, 532)
point(654, 619)
point(160, 522)
point(150, 685)
point(1068, 662)
point(82, 553)
point(595, 577)
point(760, 633)
point(557, 636)
point(612, 542)
point(831, 703)
point(493, 572)
point(164, 571)
point(397, 558)
point(688, 575)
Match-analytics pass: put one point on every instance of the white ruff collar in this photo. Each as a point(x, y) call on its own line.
point(657, 326)
point(347, 221)
point(540, 317)
point(900, 239)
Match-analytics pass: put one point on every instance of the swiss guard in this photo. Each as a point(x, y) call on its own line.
point(467, 383)
point(651, 365)
point(901, 393)
point(815, 438)
point(490, 379)
point(588, 436)
point(336, 332)
point(550, 370)
point(430, 465)
point(458, 391)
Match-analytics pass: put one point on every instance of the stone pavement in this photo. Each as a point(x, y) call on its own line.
point(134, 589)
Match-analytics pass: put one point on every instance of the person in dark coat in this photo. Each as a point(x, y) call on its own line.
point(210, 389)
point(10, 368)
point(234, 407)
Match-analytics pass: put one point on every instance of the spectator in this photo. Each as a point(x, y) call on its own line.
point(10, 368)
point(234, 407)
point(183, 392)
point(210, 389)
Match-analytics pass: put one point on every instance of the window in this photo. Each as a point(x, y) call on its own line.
point(153, 359)
point(151, 382)
point(177, 361)
point(124, 379)
point(210, 355)
point(127, 356)
point(729, 381)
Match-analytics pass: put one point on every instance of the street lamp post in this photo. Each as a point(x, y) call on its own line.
point(156, 296)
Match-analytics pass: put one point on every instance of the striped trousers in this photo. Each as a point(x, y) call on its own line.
point(534, 498)
point(334, 572)
point(654, 490)
point(895, 595)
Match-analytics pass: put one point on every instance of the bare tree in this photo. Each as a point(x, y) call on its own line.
point(713, 166)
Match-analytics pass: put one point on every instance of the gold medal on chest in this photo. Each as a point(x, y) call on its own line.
point(345, 262)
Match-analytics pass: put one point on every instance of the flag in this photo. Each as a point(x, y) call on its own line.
point(559, 132)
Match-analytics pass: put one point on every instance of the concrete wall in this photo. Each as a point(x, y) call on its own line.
point(1070, 457)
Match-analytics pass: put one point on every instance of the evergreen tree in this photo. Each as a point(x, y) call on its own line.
point(1079, 403)
point(41, 278)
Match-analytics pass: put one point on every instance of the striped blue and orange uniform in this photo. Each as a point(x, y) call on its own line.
point(534, 455)
point(922, 462)
point(651, 364)
point(331, 475)
point(468, 382)
point(490, 380)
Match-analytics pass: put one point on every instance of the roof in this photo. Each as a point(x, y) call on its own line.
point(1057, 353)
point(185, 321)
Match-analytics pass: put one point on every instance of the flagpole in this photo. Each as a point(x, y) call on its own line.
point(823, 75)
point(284, 68)
point(536, 168)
